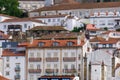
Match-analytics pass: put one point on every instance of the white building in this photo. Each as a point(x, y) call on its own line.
point(68, 21)
point(77, 9)
point(109, 20)
point(13, 65)
point(56, 57)
point(29, 5)
point(4, 17)
point(23, 24)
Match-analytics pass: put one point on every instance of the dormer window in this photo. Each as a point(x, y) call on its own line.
point(55, 43)
point(69, 43)
point(41, 44)
point(104, 45)
point(110, 45)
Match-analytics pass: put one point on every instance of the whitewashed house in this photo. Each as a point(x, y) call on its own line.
point(22, 24)
point(14, 65)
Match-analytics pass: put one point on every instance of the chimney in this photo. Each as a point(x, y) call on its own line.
point(78, 40)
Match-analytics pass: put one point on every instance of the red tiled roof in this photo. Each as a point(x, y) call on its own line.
point(79, 6)
point(3, 78)
point(49, 28)
point(51, 16)
point(22, 20)
point(8, 16)
point(97, 39)
point(8, 52)
point(48, 43)
point(91, 27)
point(110, 41)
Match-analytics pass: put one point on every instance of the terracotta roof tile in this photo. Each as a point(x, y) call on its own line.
point(97, 39)
point(22, 20)
point(110, 41)
point(51, 16)
point(48, 43)
point(3, 78)
point(91, 27)
point(8, 52)
point(79, 6)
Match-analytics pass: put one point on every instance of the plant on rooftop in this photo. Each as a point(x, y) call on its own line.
point(105, 28)
point(10, 7)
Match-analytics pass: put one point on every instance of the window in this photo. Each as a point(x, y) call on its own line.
point(25, 25)
point(38, 54)
point(41, 44)
point(31, 77)
point(31, 66)
point(110, 22)
point(38, 66)
point(48, 54)
point(66, 54)
point(55, 66)
point(7, 59)
point(104, 45)
point(69, 43)
point(65, 66)
point(55, 43)
point(16, 57)
point(73, 54)
point(54, 20)
point(102, 22)
point(4, 26)
point(31, 54)
point(72, 66)
point(110, 45)
point(49, 20)
point(58, 20)
point(55, 54)
point(48, 66)
point(7, 73)
point(7, 65)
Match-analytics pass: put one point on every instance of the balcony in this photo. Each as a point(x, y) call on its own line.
point(55, 59)
point(34, 70)
point(35, 59)
point(17, 68)
point(69, 70)
point(51, 70)
point(17, 77)
point(69, 59)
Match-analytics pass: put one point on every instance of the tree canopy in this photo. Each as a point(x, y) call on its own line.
point(10, 7)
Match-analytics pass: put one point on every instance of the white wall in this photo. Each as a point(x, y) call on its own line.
point(28, 23)
point(12, 64)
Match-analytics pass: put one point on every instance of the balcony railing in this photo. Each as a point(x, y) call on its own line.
point(17, 68)
point(69, 59)
point(17, 77)
point(51, 70)
point(34, 70)
point(55, 59)
point(69, 70)
point(35, 59)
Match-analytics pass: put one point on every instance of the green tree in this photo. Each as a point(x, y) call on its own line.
point(10, 7)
